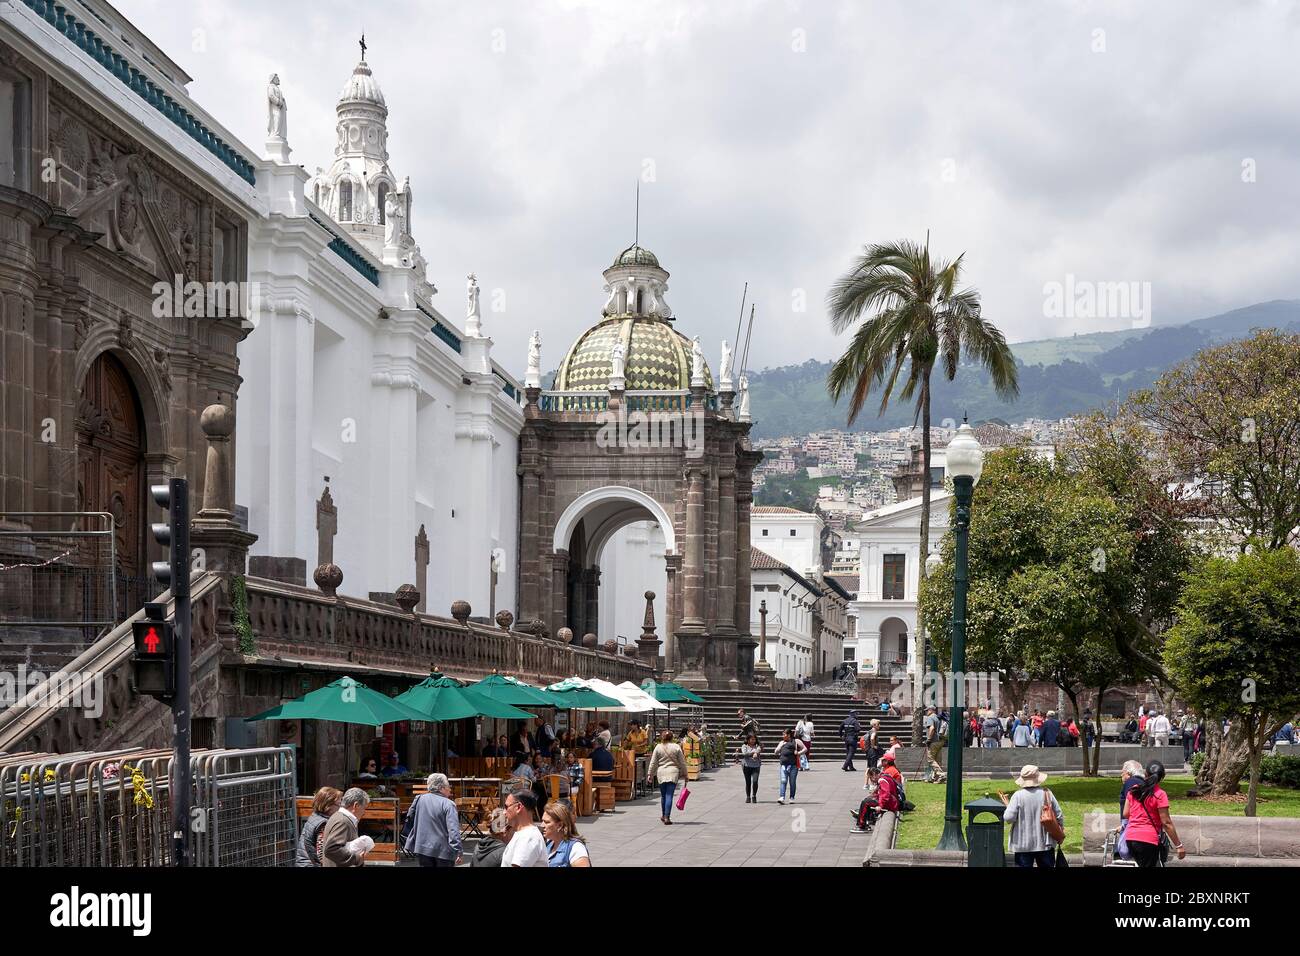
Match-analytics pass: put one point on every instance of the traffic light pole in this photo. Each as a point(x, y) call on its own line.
point(180, 781)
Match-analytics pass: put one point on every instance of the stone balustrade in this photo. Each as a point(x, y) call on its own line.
point(298, 624)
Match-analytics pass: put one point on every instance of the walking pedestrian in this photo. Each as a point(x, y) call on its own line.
point(991, 731)
point(1187, 729)
point(1030, 842)
point(323, 806)
point(872, 750)
point(1022, 735)
point(1051, 729)
point(340, 845)
point(933, 744)
point(788, 751)
point(1158, 728)
point(564, 847)
point(667, 768)
point(435, 828)
point(1149, 822)
point(492, 847)
point(751, 762)
point(850, 730)
point(1036, 723)
point(804, 731)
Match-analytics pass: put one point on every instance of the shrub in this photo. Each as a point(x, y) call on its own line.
point(1280, 771)
point(1198, 758)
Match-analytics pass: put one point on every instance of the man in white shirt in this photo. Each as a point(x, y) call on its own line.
point(1158, 728)
point(527, 846)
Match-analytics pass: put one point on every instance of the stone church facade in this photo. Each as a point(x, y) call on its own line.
point(113, 198)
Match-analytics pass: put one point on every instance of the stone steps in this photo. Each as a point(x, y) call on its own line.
point(776, 711)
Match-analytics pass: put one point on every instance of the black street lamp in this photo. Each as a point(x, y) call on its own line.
point(964, 462)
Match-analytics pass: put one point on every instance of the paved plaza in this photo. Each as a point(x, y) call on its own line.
point(718, 828)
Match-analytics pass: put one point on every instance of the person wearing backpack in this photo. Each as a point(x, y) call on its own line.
point(991, 731)
point(804, 731)
point(788, 752)
point(850, 730)
point(882, 796)
point(1034, 840)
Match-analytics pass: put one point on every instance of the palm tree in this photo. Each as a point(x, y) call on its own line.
point(909, 314)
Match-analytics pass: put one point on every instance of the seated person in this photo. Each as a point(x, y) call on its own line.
point(601, 758)
point(883, 795)
point(605, 734)
point(636, 739)
point(394, 767)
point(574, 771)
point(525, 769)
point(369, 769)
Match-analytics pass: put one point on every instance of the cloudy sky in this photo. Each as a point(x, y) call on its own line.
point(1154, 142)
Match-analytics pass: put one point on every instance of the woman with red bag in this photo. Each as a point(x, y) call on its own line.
point(667, 768)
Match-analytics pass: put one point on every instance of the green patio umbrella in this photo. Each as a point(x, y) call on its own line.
point(576, 694)
point(345, 701)
point(668, 692)
point(508, 690)
point(445, 698)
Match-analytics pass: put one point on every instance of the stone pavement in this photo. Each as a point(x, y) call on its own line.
point(718, 828)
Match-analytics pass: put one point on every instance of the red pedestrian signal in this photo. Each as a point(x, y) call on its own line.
point(152, 638)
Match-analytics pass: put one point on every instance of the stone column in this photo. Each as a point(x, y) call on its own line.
point(672, 609)
point(559, 589)
point(745, 644)
point(591, 588)
point(764, 673)
point(224, 545)
point(422, 568)
point(530, 598)
point(727, 553)
point(693, 575)
point(692, 638)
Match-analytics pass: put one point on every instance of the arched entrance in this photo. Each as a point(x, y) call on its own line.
point(893, 646)
point(584, 532)
point(111, 471)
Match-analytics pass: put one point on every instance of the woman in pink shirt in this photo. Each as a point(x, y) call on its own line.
point(1147, 813)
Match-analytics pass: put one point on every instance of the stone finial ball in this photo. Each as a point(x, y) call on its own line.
point(328, 577)
point(589, 640)
point(460, 611)
point(504, 620)
point(631, 650)
point(217, 421)
point(564, 635)
point(407, 597)
point(649, 595)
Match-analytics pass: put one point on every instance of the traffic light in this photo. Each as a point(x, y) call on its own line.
point(155, 654)
point(174, 534)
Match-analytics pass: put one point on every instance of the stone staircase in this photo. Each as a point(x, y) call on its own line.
point(776, 711)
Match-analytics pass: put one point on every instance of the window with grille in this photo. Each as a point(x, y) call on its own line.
point(892, 585)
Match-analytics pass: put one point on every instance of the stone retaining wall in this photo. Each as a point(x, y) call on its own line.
point(1009, 760)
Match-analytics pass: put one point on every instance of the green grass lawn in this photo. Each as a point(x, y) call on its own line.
point(1078, 796)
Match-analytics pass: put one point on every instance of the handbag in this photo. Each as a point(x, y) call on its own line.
point(1062, 862)
point(681, 798)
point(1048, 819)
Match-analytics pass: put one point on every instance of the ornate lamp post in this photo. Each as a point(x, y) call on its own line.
point(965, 461)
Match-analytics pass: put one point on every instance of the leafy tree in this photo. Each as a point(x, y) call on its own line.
point(1053, 580)
point(910, 313)
point(1235, 648)
point(1229, 422)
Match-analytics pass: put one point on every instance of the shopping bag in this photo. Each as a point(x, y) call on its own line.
point(681, 798)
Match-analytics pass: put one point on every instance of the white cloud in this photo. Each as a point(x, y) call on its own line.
point(524, 126)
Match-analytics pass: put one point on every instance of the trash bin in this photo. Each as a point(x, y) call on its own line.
point(985, 838)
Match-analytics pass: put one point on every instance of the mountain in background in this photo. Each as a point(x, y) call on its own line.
point(1058, 377)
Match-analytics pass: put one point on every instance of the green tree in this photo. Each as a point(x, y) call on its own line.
point(910, 314)
point(1053, 579)
point(1235, 647)
point(1229, 419)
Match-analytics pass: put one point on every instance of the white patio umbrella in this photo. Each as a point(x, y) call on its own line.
point(638, 701)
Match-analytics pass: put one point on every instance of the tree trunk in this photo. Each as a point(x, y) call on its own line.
point(1213, 745)
point(917, 738)
point(1252, 791)
point(1233, 762)
point(1083, 744)
point(1096, 731)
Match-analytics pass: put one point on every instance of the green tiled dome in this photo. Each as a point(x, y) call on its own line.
point(634, 255)
point(655, 357)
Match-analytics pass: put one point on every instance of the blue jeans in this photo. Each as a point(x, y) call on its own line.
point(666, 798)
point(789, 772)
point(991, 743)
point(1044, 858)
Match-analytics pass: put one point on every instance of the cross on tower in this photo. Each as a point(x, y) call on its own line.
point(363, 47)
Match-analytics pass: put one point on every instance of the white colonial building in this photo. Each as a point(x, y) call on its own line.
point(353, 381)
point(885, 609)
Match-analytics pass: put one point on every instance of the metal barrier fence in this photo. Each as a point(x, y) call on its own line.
point(112, 809)
point(58, 570)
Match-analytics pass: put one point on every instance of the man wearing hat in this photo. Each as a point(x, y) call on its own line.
point(1030, 842)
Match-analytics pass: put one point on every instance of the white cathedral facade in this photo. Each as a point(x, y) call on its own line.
point(353, 381)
